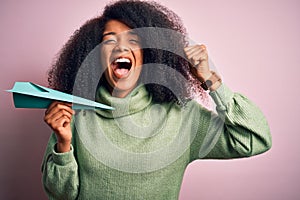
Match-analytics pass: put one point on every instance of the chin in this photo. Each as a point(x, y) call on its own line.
point(124, 87)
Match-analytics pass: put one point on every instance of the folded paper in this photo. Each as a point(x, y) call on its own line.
point(30, 95)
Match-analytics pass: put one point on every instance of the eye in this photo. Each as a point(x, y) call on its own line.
point(109, 41)
point(134, 41)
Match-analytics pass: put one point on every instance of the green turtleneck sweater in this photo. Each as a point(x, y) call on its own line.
point(141, 149)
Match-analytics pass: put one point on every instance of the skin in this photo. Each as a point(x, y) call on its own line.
point(119, 42)
point(198, 55)
point(58, 116)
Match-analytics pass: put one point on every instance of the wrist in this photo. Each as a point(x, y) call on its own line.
point(63, 147)
point(211, 82)
point(215, 86)
point(204, 76)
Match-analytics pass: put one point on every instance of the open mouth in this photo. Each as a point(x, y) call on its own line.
point(121, 67)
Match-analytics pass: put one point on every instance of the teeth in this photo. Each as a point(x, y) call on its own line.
point(122, 60)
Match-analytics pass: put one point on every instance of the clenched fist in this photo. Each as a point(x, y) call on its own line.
point(198, 56)
point(59, 116)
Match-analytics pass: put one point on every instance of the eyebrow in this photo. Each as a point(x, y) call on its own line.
point(109, 33)
point(113, 33)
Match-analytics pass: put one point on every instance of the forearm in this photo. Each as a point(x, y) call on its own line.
point(63, 147)
point(238, 130)
point(245, 130)
point(60, 174)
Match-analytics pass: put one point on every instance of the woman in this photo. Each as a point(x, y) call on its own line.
point(132, 58)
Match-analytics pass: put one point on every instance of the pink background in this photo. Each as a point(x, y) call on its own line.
point(254, 44)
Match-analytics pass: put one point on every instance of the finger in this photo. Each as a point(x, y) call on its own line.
point(58, 107)
point(196, 52)
point(54, 114)
point(60, 124)
point(51, 106)
point(192, 54)
point(64, 107)
point(52, 118)
point(58, 115)
point(55, 103)
point(190, 49)
point(55, 122)
point(63, 121)
point(200, 56)
point(197, 58)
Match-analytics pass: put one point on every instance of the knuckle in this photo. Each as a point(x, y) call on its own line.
point(55, 127)
point(60, 129)
point(67, 118)
point(60, 105)
point(66, 113)
point(48, 121)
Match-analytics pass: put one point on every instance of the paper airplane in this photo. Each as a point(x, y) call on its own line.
point(30, 95)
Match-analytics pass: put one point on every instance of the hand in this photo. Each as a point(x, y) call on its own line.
point(58, 116)
point(198, 56)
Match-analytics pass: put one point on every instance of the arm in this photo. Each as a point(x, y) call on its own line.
point(59, 168)
point(239, 129)
point(60, 172)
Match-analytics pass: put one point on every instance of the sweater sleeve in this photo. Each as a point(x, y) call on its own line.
point(60, 173)
point(238, 130)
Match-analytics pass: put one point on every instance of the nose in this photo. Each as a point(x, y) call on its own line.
point(121, 47)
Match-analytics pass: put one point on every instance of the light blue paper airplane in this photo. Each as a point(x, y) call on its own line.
point(30, 95)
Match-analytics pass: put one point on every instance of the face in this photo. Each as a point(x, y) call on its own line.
point(122, 58)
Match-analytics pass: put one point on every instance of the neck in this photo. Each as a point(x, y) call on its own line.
point(119, 93)
point(135, 101)
point(115, 92)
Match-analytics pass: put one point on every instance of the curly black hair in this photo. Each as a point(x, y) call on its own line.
point(160, 50)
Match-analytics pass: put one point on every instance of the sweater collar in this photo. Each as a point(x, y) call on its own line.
point(137, 100)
